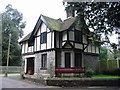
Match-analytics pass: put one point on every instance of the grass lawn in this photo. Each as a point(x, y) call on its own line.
point(105, 76)
point(77, 78)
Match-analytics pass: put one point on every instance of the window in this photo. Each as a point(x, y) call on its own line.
point(78, 60)
point(30, 43)
point(78, 36)
point(67, 60)
point(43, 38)
point(44, 61)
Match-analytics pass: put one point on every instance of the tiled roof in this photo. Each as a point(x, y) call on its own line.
point(55, 24)
point(26, 37)
point(67, 23)
point(58, 25)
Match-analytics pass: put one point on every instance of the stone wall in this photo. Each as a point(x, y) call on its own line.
point(49, 72)
point(91, 61)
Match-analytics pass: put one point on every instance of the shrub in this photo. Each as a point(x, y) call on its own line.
point(89, 72)
point(107, 72)
point(115, 72)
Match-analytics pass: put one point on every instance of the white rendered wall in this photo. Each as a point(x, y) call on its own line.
point(64, 36)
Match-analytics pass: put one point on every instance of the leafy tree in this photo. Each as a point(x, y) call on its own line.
point(114, 52)
point(12, 24)
point(102, 17)
point(103, 53)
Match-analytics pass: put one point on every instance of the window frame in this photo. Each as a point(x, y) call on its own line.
point(78, 60)
point(44, 61)
point(78, 36)
point(67, 59)
point(43, 38)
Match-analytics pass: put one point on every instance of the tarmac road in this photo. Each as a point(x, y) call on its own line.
point(11, 83)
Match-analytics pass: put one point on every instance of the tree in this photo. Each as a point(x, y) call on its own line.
point(12, 23)
point(114, 47)
point(103, 53)
point(102, 17)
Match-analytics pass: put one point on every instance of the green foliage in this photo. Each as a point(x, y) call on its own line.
point(114, 47)
point(115, 72)
point(103, 53)
point(11, 24)
point(102, 17)
point(89, 72)
point(105, 76)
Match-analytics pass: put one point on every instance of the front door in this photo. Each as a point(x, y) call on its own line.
point(30, 66)
point(67, 60)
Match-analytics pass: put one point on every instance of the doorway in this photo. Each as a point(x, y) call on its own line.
point(30, 66)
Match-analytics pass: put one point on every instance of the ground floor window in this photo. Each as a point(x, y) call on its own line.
point(44, 61)
point(67, 60)
point(78, 60)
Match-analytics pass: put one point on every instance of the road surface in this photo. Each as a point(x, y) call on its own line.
point(12, 83)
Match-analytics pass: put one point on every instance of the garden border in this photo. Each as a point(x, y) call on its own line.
point(83, 82)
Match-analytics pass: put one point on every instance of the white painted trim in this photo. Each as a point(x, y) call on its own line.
point(28, 56)
point(25, 67)
point(62, 59)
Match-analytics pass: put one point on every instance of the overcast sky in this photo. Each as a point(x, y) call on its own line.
point(32, 9)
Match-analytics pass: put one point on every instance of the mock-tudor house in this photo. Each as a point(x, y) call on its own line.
point(55, 44)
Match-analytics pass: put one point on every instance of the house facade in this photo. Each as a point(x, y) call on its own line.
point(58, 44)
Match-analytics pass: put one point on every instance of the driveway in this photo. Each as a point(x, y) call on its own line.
point(13, 82)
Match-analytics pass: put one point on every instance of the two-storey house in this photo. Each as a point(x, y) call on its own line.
point(58, 44)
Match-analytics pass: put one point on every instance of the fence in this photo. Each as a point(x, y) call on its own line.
point(108, 65)
point(11, 69)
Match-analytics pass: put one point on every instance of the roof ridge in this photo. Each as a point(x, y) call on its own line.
point(69, 18)
point(49, 17)
point(25, 38)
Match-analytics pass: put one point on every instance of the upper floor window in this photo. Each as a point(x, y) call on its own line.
point(78, 36)
point(30, 43)
point(43, 37)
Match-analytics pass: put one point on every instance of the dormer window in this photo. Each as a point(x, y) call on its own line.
point(43, 37)
point(78, 36)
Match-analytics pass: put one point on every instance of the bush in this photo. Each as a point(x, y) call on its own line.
point(115, 72)
point(89, 72)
